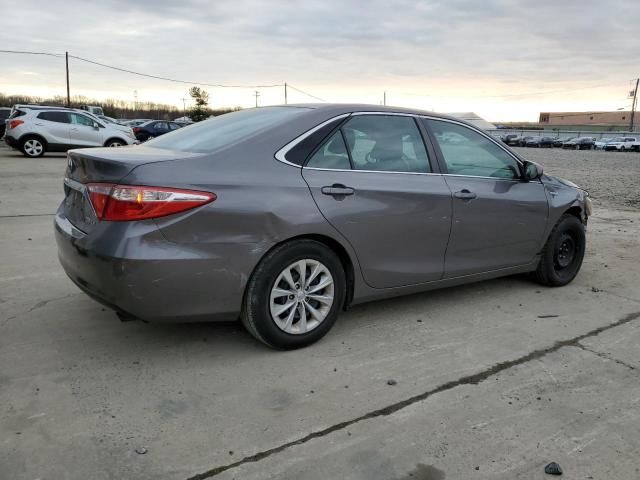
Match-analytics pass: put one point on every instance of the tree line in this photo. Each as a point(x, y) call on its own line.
point(118, 108)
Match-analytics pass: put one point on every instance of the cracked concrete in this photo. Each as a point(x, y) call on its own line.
point(502, 375)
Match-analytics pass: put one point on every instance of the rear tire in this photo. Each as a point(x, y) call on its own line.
point(563, 253)
point(33, 146)
point(269, 291)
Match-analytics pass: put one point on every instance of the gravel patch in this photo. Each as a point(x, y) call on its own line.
point(611, 178)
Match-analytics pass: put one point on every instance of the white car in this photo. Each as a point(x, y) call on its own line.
point(36, 130)
point(622, 144)
point(600, 144)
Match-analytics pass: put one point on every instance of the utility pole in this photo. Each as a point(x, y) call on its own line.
point(285, 93)
point(135, 101)
point(257, 94)
point(633, 105)
point(66, 59)
point(184, 107)
point(384, 97)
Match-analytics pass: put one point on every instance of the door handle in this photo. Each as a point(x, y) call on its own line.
point(337, 189)
point(465, 194)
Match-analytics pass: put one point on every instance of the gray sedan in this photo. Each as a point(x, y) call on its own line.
point(284, 216)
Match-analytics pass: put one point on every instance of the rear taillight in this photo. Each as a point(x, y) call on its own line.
point(15, 123)
point(119, 203)
point(135, 129)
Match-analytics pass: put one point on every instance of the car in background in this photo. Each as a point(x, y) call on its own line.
point(507, 137)
point(136, 122)
point(600, 144)
point(331, 215)
point(559, 141)
point(92, 109)
point(539, 142)
point(154, 128)
point(622, 144)
point(4, 114)
point(109, 119)
point(580, 143)
point(35, 131)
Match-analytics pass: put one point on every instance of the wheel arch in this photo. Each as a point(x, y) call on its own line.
point(120, 139)
point(335, 246)
point(27, 136)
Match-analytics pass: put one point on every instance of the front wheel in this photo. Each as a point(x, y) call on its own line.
point(115, 142)
point(563, 253)
point(294, 296)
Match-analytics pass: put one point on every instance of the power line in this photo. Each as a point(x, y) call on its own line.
point(157, 77)
point(24, 52)
point(305, 93)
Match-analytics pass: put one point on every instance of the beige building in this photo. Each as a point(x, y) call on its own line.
point(620, 118)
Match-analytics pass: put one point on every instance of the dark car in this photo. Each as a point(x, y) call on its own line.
point(540, 142)
point(580, 143)
point(558, 142)
point(284, 216)
point(4, 114)
point(154, 128)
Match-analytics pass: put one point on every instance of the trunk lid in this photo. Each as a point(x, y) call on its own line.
point(103, 165)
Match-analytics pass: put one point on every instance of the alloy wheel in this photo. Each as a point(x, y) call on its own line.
point(33, 147)
point(302, 296)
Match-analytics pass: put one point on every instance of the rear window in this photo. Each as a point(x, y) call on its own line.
point(225, 129)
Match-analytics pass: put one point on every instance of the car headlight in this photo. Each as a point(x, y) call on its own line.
point(588, 205)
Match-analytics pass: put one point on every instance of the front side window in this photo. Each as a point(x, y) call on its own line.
point(333, 154)
point(467, 152)
point(58, 117)
point(79, 119)
point(386, 143)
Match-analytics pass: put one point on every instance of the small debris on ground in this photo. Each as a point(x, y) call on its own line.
point(553, 469)
point(595, 289)
point(391, 382)
point(141, 450)
point(547, 316)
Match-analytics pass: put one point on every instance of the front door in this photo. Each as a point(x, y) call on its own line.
point(373, 181)
point(498, 219)
point(83, 133)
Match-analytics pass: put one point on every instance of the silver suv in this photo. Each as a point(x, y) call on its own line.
point(35, 130)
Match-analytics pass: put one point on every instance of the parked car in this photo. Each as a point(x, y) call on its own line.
point(621, 144)
point(285, 216)
point(136, 122)
point(154, 128)
point(559, 141)
point(580, 143)
point(539, 142)
point(92, 109)
point(35, 131)
point(109, 119)
point(600, 144)
point(507, 137)
point(4, 114)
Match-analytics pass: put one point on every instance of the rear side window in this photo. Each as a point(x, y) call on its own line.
point(161, 126)
point(301, 150)
point(227, 129)
point(17, 113)
point(59, 117)
point(386, 143)
point(333, 154)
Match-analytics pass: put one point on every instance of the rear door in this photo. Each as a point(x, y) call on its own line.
point(54, 126)
point(498, 219)
point(373, 180)
point(83, 133)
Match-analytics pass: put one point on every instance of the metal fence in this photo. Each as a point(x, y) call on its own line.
point(561, 134)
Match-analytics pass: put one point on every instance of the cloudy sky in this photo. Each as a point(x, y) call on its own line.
point(504, 59)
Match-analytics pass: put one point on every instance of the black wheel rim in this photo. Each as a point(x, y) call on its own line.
point(565, 252)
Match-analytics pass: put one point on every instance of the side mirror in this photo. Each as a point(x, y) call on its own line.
point(532, 171)
point(96, 125)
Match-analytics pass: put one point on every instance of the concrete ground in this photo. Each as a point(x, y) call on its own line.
point(490, 381)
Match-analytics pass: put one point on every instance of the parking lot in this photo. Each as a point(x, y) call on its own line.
point(489, 381)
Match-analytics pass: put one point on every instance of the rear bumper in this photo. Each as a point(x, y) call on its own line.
point(131, 268)
point(12, 142)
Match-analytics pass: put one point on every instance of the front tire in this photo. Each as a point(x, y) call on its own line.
point(115, 142)
point(33, 147)
point(563, 253)
point(294, 296)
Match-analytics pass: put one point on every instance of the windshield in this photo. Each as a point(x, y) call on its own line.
point(226, 129)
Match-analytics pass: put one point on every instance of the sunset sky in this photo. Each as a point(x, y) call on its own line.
point(505, 60)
